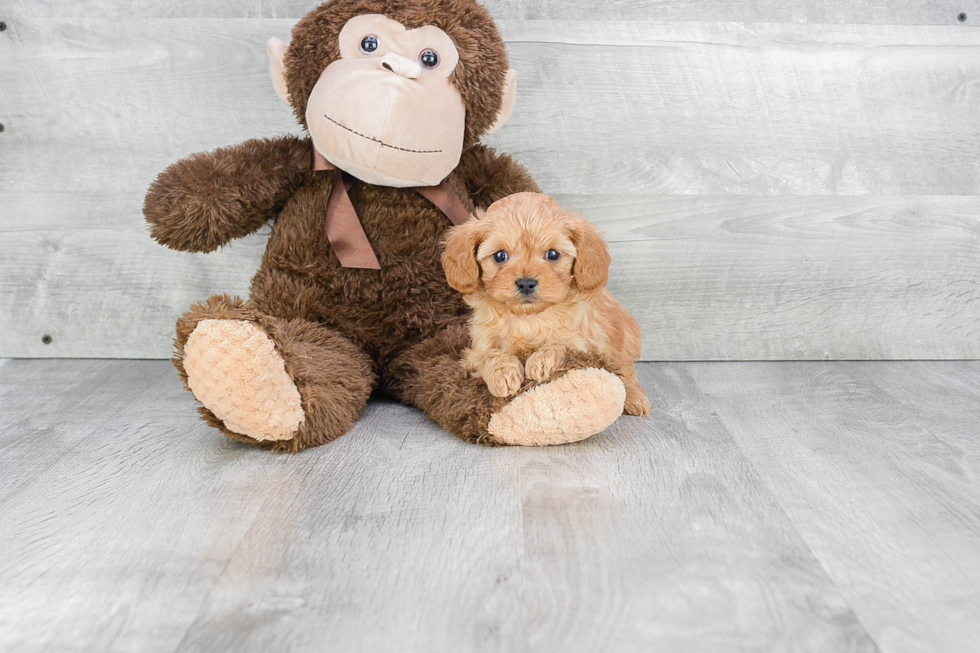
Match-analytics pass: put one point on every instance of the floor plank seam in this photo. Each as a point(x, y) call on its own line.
point(809, 547)
point(231, 558)
point(139, 395)
point(759, 478)
point(522, 565)
point(804, 506)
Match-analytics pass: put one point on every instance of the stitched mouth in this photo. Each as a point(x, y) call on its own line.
point(379, 141)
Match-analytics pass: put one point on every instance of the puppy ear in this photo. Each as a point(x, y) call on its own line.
point(591, 268)
point(459, 259)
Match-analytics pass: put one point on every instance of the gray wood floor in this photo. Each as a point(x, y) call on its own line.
point(762, 507)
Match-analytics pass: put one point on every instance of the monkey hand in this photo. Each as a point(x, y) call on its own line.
point(208, 199)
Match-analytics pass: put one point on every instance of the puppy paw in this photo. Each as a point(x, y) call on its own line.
point(636, 402)
point(542, 364)
point(503, 376)
point(472, 362)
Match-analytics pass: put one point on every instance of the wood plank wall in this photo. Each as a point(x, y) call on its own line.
point(778, 179)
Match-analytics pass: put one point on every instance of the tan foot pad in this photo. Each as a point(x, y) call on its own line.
point(575, 407)
point(234, 369)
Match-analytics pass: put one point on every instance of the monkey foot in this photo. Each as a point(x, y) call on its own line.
point(576, 406)
point(234, 369)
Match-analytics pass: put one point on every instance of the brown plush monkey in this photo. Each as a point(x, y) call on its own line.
point(351, 295)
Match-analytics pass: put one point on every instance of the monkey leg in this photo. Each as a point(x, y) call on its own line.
point(281, 384)
point(581, 400)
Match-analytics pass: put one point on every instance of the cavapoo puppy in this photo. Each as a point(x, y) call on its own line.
point(535, 277)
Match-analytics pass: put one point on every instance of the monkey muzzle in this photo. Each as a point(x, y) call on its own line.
point(387, 121)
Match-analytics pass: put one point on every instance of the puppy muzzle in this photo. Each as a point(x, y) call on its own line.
point(526, 286)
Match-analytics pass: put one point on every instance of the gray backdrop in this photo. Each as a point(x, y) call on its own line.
point(778, 179)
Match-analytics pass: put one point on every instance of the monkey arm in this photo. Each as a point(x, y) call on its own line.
point(202, 202)
point(490, 176)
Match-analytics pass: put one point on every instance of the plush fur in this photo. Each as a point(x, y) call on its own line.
point(343, 333)
point(479, 77)
point(575, 408)
point(234, 368)
point(518, 334)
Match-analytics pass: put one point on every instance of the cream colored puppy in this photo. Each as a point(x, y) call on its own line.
point(535, 277)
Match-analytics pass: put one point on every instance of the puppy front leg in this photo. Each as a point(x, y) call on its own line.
point(502, 372)
point(637, 402)
point(542, 364)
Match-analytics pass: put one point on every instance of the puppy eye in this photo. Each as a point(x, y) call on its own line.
point(370, 44)
point(552, 255)
point(429, 59)
point(500, 257)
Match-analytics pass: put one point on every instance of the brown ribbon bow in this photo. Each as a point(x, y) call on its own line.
point(344, 230)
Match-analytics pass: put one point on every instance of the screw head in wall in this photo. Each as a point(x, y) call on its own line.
point(961, 18)
point(3, 26)
point(47, 339)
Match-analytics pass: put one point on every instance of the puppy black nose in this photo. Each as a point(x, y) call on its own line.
point(526, 285)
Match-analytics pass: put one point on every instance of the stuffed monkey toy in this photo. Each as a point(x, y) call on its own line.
point(351, 296)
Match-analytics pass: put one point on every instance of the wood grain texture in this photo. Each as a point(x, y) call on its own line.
point(611, 107)
point(107, 292)
point(709, 278)
point(723, 278)
point(81, 397)
point(930, 12)
point(773, 191)
point(653, 523)
point(119, 547)
point(878, 468)
point(746, 109)
point(155, 533)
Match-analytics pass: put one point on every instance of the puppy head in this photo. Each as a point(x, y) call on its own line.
point(526, 253)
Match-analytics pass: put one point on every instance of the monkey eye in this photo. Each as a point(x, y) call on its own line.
point(500, 257)
point(429, 59)
point(552, 255)
point(370, 44)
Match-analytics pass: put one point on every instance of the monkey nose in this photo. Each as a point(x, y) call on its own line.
point(402, 66)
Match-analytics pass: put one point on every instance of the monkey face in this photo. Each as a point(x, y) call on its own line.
point(386, 110)
point(393, 92)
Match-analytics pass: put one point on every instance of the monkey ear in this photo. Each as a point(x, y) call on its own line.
point(591, 267)
point(459, 259)
point(277, 69)
point(507, 103)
